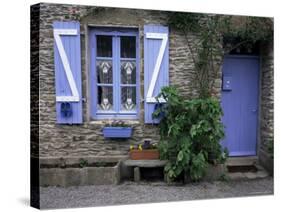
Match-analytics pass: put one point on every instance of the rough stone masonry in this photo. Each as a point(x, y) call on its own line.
point(86, 140)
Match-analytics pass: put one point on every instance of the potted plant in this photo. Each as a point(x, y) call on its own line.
point(191, 131)
point(117, 129)
point(145, 151)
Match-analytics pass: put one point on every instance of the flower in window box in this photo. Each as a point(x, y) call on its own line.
point(117, 129)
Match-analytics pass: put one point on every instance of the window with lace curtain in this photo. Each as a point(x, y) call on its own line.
point(114, 68)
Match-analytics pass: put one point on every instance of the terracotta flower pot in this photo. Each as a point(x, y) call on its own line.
point(145, 154)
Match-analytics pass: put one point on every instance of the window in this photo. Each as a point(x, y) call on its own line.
point(114, 73)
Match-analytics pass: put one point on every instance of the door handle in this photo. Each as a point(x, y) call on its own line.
point(254, 110)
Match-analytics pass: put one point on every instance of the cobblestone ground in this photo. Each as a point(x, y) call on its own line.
point(145, 192)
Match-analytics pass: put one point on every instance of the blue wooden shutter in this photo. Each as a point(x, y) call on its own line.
point(156, 58)
point(67, 58)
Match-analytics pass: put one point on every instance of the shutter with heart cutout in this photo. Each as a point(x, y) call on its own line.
point(156, 66)
point(67, 59)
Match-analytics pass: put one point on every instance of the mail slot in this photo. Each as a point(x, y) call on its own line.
point(226, 84)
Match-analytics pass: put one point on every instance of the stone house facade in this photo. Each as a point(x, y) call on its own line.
point(51, 140)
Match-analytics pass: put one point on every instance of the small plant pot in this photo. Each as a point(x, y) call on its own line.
point(117, 132)
point(146, 154)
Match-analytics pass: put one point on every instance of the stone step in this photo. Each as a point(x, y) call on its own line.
point(242, 161)
point(247, 175)
point(245, 161)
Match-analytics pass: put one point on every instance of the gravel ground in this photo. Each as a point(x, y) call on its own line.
point(145, 192)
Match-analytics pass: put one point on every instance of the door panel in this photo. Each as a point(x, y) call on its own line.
point(240, 104)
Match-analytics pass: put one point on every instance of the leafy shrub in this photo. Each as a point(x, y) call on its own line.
point(190, 131)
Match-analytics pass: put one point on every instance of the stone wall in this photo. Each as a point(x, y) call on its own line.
point(266, 105)
point(34, 80)
point(86, 139)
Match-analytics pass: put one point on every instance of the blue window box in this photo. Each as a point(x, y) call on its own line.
point(117, 132)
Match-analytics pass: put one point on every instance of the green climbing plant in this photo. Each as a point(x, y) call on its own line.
point(217, 35)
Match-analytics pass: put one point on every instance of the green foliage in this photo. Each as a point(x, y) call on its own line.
point(186, 21)
point(218, 35)
point(198, 166)
point(249, 29)
point(83, 162)
point(190, 132)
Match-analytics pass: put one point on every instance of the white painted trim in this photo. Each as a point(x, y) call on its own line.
point(156, 70)
point(65, 31)
point(153, 35)
point(67, 99)
point(154, 100)
point(65, 62)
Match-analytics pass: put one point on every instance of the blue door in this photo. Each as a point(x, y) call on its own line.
point(240, 91)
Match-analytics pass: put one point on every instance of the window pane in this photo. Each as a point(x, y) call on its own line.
point(128, 47)
point(104, 71)
point(104, 46)
point(128, 98)
point(128, 72)
point(105, 98)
